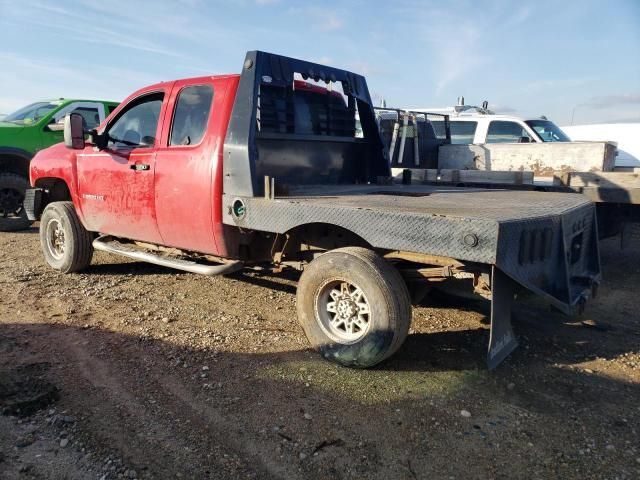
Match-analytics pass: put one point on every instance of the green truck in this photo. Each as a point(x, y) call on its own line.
point(24, 133)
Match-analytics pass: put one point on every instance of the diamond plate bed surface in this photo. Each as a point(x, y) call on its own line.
point(501, 205)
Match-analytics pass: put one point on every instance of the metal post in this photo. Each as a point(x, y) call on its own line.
point(403, 137)
point(394, 138)
point(267, 187)
point(416, 143)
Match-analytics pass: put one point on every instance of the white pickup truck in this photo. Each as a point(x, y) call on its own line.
point(478, 146)
point(483, 140)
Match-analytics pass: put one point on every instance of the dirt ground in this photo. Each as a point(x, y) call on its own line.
point(135, 371)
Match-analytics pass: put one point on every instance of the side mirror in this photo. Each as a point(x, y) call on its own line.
point(98, 140)
point(73, 131)
point(56, 126)
point(525, 140)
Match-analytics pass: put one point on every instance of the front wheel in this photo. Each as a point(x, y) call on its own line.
point(65, 243)
point(354, 307)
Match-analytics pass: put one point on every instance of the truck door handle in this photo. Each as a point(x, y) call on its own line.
point(139, 166)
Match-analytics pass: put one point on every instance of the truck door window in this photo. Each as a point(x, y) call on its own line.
point(191, 115)
point(90, 117)
point(462, 133)
point(506, 132)
point(137, 124)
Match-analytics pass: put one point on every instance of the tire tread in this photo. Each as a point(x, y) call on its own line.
point(386, 279)
point(400, 293)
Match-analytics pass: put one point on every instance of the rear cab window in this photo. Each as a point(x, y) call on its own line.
point(191, 115)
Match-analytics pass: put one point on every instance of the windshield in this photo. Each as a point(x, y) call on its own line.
point(548, 131)
point(31, 113)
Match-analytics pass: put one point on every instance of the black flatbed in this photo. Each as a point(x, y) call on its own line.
point(460, 202)
point(285, 169)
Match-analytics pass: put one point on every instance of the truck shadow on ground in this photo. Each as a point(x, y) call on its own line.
point(148, 401)
point(542, 332)
point(283, 282)
point(131, 268)
point(545, 336)
point(28, 231)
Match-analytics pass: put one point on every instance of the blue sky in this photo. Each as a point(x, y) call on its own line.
point(546, 57)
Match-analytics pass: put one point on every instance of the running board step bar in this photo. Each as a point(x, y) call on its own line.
point(107, 243)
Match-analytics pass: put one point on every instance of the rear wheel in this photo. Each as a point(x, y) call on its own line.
point(13, 215)
point(65, 243)
point(354, 307)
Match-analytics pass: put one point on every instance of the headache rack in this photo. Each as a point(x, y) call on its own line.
point(284, 126)
point(305, 109)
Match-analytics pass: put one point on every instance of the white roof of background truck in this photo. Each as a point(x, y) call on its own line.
point(469, 111)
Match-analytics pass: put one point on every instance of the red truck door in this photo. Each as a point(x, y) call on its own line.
point(116, 185)
point(187, 201)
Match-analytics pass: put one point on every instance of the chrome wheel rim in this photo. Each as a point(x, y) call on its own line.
point(343, 311)
point(55, 239)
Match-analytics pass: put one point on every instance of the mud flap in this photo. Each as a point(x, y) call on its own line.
point(502, 340)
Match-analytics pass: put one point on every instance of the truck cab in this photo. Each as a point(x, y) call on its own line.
point(25, 132)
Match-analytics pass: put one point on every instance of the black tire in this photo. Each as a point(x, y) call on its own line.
point(66, 245)
point(384, 294)
point(13, 215)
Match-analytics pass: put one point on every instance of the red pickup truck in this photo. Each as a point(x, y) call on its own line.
point(267, 169)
